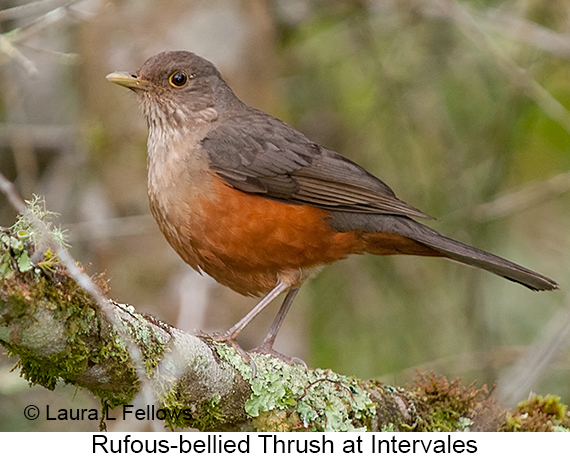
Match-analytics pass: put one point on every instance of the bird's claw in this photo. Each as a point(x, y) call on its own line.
point(267, 349)
point(230, 340)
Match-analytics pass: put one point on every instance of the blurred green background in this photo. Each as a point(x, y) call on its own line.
point(462, 107)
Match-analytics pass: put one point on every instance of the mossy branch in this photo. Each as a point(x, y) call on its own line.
point(61, 333)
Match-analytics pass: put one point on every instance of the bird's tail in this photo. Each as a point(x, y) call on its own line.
point(440, 245)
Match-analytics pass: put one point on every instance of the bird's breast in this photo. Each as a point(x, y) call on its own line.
point(245, 241)
point(178, 182)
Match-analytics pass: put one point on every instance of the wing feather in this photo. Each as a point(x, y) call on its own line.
point(272, 159)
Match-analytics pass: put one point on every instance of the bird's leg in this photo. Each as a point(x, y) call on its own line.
point(230, 336)
point(266, 346)
point(276, 325)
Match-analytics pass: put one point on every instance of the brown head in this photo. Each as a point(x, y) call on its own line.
point(176, 87)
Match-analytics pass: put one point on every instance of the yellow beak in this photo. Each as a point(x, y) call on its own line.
point(125, 79)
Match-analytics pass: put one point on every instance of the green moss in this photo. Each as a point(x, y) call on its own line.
point(49, 293)
point(538, 414)
point(202, 417)
point(550, 405)
point(44, 371)
point(210, 415)
point(444, 405)
point(46, 309)
point(26, 310)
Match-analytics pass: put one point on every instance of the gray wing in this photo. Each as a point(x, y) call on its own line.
point(262, 155)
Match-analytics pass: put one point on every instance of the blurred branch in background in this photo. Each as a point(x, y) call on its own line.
point(519, 29)
point(48, 13)
point(529, 369)
point(529, 196)
point(472, 26)
point(41, 148)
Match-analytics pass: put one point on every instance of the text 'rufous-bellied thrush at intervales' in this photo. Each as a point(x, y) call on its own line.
point(254, 203)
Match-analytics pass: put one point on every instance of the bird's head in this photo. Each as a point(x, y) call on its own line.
point(174, 88)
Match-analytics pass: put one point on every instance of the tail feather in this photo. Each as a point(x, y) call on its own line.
point(438, 245)
point(472, 256)
point(469, 255)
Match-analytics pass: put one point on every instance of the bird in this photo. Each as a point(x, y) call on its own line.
point(249, 200)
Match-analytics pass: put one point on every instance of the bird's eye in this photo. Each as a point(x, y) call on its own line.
point(178, 79)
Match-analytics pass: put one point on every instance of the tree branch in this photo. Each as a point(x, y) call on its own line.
point(59, 332)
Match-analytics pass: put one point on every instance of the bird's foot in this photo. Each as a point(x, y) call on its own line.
point(268, 349)
point(229, 338)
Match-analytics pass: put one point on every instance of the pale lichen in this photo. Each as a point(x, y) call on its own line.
point(320, 400)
